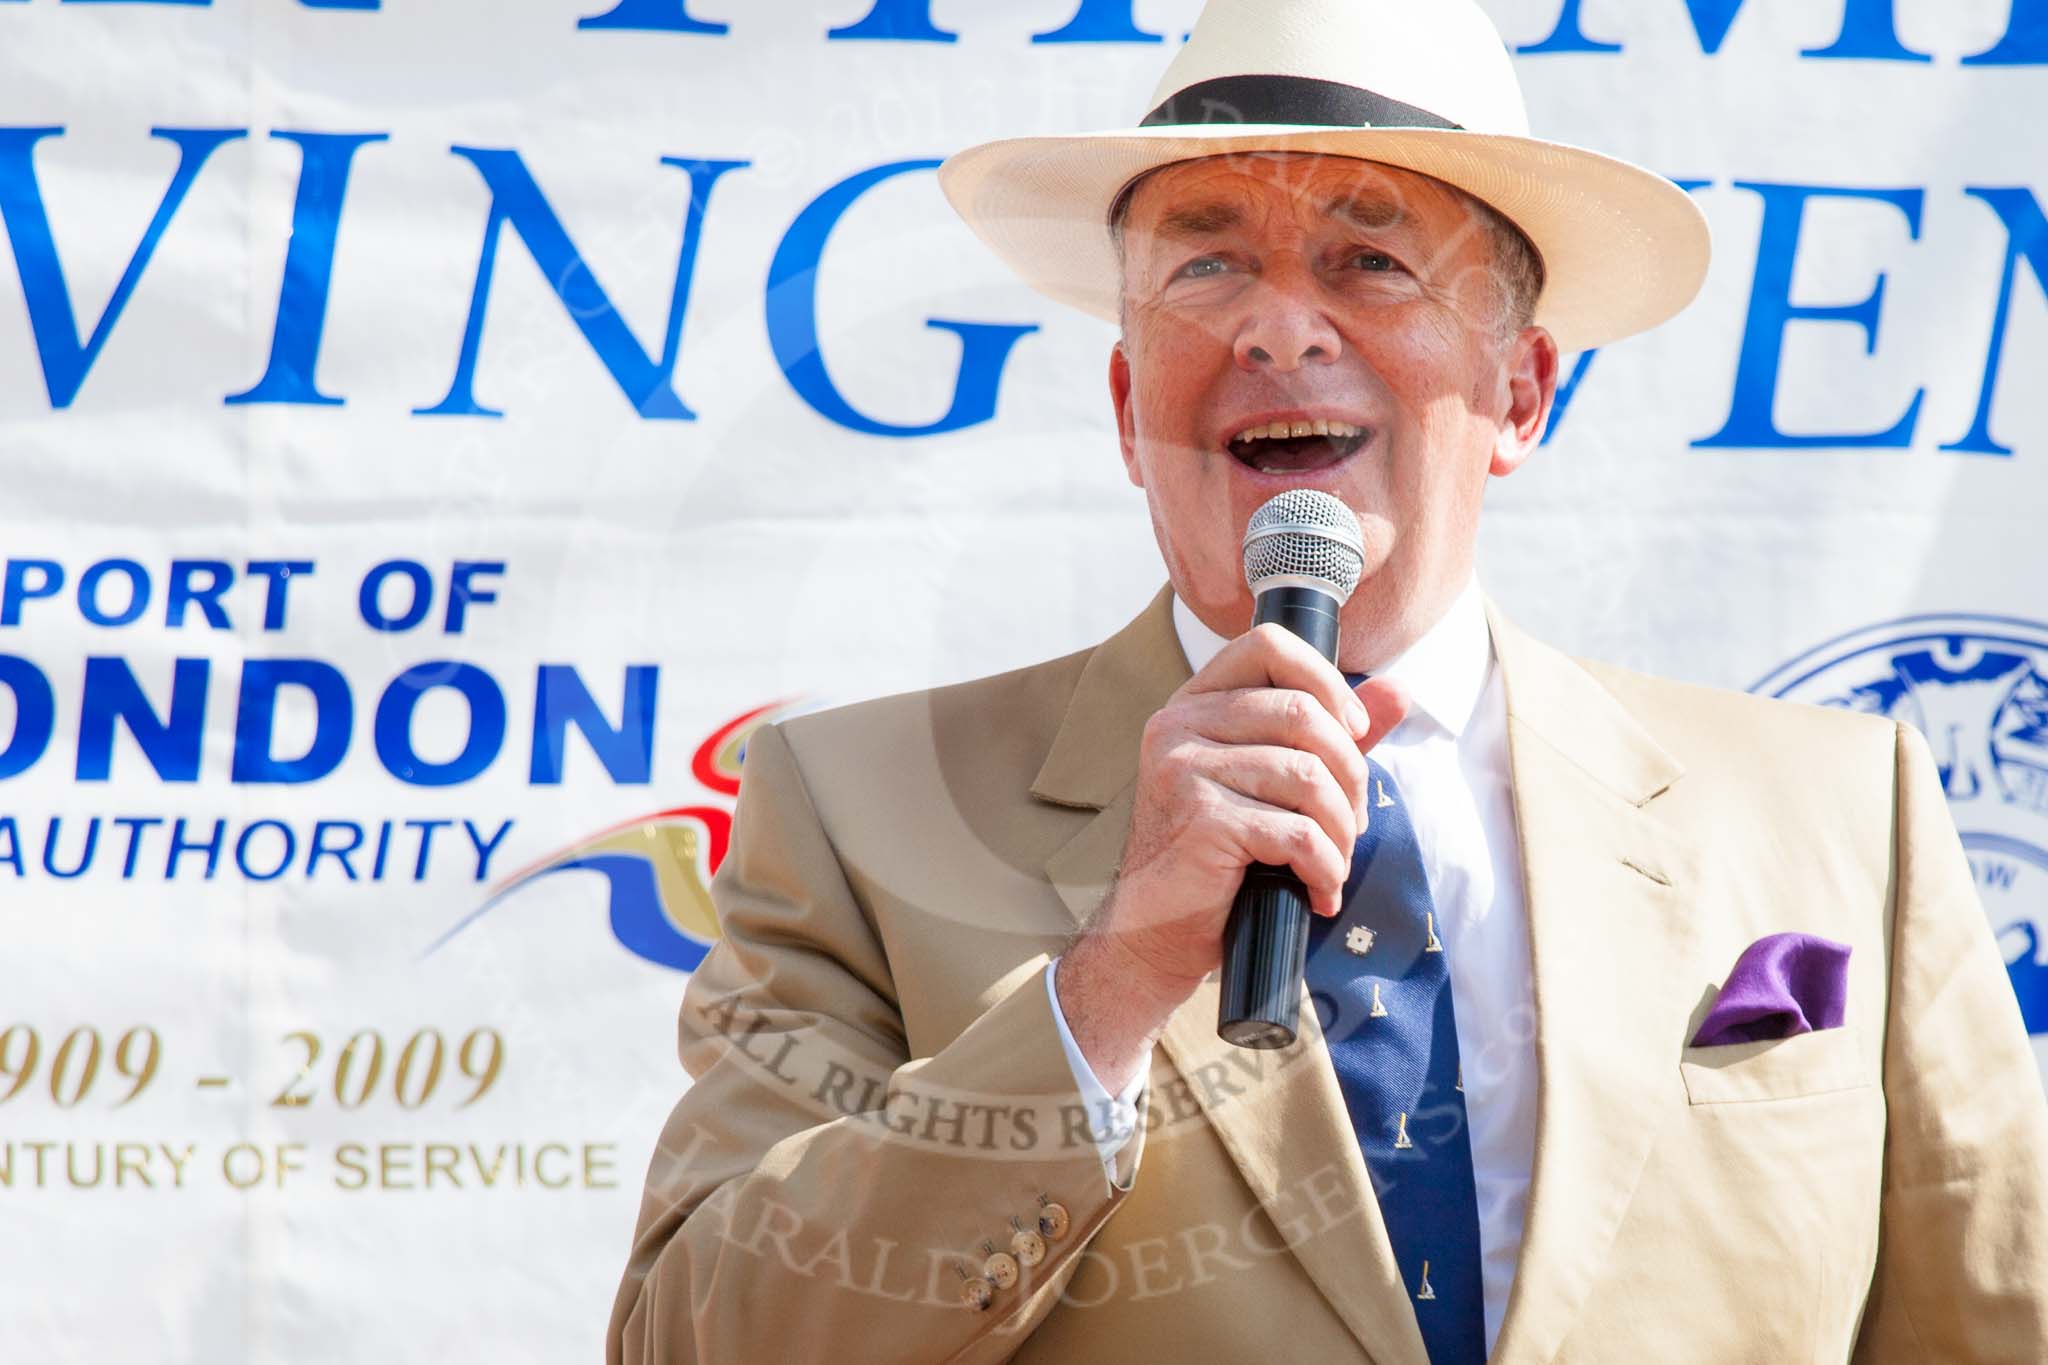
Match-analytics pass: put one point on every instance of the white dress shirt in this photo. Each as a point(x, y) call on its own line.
point(1450, 759)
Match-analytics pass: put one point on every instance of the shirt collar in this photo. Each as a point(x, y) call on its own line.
point(1444, 671)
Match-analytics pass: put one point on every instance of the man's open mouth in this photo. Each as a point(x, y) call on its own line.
point(1297, 447)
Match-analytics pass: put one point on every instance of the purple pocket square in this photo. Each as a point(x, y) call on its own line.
point(1783, 984)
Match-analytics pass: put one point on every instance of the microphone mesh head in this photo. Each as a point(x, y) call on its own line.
point(1304, 535)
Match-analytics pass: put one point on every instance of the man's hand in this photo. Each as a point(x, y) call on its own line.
point(1258, 758)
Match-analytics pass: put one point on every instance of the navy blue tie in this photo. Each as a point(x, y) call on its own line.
point(1382, 993)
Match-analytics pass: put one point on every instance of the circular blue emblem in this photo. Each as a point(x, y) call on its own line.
point(1977, 688)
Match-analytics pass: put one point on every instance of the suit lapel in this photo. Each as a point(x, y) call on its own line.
point(1605, 880)
point(1292, 1140)
point(1607, 884)
point(1279, 1114)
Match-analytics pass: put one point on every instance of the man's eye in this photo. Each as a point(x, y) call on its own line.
point(1203, 266)
point(1374, 260)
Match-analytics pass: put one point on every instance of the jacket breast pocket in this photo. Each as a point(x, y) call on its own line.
point(1815, 1063)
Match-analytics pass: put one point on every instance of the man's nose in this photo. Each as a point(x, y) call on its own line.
point(1285, 330)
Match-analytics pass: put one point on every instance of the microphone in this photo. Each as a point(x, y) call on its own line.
point(1303, 556)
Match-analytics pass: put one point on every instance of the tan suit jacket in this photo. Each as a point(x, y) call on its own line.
point(880, 1088)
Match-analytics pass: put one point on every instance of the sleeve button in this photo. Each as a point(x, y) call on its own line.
point(1053, 1221)
point(977, 1293)
point(1027, 1246)
point(1000, 1270)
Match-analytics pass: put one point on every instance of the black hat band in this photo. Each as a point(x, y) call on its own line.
point(1288, 99)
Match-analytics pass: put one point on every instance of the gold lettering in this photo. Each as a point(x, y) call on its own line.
point(441, 1158)
point(350, 1158)
point(541, 1153)
point(132, 1158)
point(71, 1166)
point(394, 1166)
point(488, 1174)
point(228, 1164)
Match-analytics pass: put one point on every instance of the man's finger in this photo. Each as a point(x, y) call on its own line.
point(1287, 718)
point(1288, 779)
point(1269, 656)
point(1282, 838)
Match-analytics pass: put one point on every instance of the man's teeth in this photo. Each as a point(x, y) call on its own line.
point(1281, 431)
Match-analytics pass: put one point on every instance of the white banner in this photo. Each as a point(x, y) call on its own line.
point(432, 434)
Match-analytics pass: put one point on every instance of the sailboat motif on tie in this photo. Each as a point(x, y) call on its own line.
point(1392, 1042)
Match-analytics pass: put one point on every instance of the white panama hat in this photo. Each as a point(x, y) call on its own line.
point(1425, 85)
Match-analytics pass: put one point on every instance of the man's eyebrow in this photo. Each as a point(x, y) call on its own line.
point(1372, 211)
point(1200, 220)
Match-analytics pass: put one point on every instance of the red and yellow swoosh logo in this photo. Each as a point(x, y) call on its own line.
point(658, 866)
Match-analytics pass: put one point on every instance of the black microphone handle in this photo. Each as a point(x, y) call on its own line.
point(1265, 941)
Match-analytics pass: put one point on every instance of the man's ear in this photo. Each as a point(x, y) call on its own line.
point(1126, 420)
point(1531, 377)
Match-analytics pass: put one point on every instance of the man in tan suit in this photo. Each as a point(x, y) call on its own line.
point(957, 1089)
